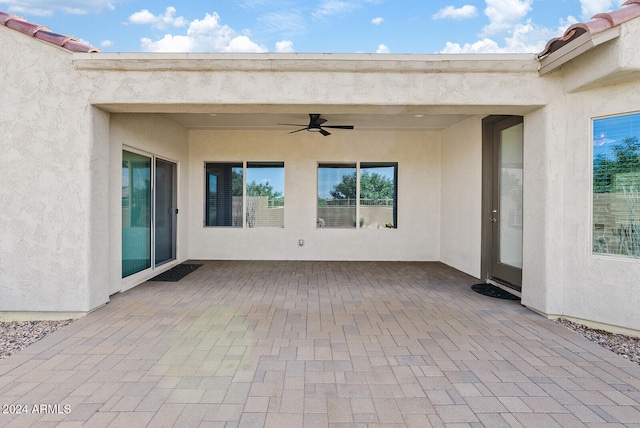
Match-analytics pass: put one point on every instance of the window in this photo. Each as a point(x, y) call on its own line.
point(223, 206)
point(265, 194)
point(616, 186)
point(378, 195)
point(336, 195)
point(352, 196)
point(228, 202)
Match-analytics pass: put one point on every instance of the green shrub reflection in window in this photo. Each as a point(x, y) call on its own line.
point(616, 186)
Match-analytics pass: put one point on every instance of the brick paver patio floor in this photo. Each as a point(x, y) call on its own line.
point(317, 344)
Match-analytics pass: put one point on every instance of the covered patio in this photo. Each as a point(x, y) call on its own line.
point(317, 344)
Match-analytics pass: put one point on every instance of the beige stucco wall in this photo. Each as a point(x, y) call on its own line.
point(561, 276)
point(53, 244)
point(595, 288)
point(151, 135)
point(416, 238)
point(461, 202)
point(216, 83)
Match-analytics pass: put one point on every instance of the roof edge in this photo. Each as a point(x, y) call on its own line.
point(379, 63)
point(43, 33)
point(599, 23)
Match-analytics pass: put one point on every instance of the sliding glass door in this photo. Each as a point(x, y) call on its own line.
point(166, 212)
point(136, 213)
point(148, 212)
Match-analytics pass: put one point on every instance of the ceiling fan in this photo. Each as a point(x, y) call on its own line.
point(315, 125)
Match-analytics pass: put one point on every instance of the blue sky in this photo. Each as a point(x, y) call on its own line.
point(318, 26)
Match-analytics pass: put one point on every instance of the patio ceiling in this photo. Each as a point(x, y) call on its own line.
point(270, 121)
point(239, 117)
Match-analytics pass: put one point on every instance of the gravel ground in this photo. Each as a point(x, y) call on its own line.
point(15, 336)
point(627, 346)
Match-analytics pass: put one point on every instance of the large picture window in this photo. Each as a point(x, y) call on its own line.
point(616, 185)
point(261, 196)
point(357, 196)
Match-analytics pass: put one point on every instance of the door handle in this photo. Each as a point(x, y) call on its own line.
point(493, 220)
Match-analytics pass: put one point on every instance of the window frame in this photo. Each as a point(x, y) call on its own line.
point(242, 222)
point(228, 195)
point(359, 168)
point(258, 165)
point(594, 236)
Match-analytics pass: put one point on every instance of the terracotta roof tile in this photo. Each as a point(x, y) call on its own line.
point(599, 23)
point(43, 33)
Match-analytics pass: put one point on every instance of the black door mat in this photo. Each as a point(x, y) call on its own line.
point(175, 274)
point(493, 291)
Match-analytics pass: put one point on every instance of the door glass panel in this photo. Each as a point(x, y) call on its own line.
point(136, 213)
point(165, 218)
point(510, 184)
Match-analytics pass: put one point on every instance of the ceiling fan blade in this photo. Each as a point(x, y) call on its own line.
point(325, 133)
point(339, 126)
point(298, 130)
point(291, 124)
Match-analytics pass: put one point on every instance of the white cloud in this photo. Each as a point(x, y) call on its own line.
point(48, 7)
point(106, 43)
point(284, 46)
point(291, 22)
point(509, 31)
point(531, 38)
point(504, 14)
point(335, 7)
point(204, 35)
point(244, 44)
point(524, 37)
point(481, 46)
point(168, 43)
point(383, 49)
point(377, 21)
point(593, 7)
point(450, 12)
point(168, 19)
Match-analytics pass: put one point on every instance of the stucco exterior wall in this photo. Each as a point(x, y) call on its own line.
point(50, 175)
point(606, 289)
point(264, 83)
point(461, 202)
point(561, 276)
point(152, 135)
point(543, 209)
point(416, 238)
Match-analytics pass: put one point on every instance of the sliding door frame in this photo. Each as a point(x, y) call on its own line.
point(155, 268)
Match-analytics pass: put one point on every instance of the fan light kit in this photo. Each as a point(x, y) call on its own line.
point(315, 125)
